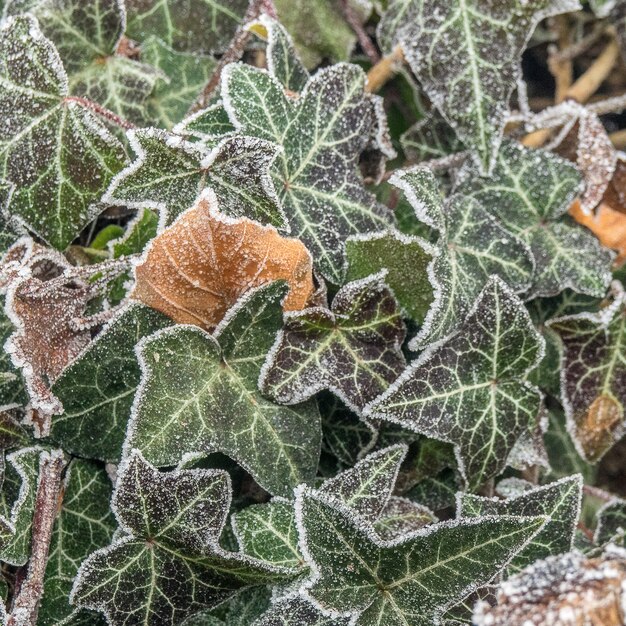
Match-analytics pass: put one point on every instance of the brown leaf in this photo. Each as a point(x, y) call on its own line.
point(567, 590)
point(608, 225)
point(200, 266)
point(615, 195)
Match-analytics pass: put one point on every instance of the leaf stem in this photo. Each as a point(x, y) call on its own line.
point(364, 40)
point(101, 111)
point(49, 494)
point(234, 51)
point(600, 494)
point(384, 70)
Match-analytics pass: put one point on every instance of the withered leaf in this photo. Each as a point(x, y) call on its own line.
point(199, 267)
point(607, 224)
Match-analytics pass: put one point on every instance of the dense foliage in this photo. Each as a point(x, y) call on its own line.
point(312, 312)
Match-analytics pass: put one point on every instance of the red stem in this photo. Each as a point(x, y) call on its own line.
point(100, 110)
point(355, 23)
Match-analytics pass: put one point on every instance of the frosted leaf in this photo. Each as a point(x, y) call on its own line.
point(437, 492)
point(471, 390)
point(410, 580)
point(268, 531)
point(54, 194)
point(408, 262)
point(322, 131)
point(241, 610)
point(183, 76)
point(401, 517)
point(199, 393)
point(560, 501)
point(593, 377)
point(471, 246)
point(166, 564)
point(560, 591)
point(84, 524)
point(198, 268)
point(611, 526)
point(139, 232)
point(207, 125)
point(529, 192)
point(96, 391)
point(12, 390)
point(430, 138)
point(353, 349)
point(170, 173)
point(297, 611)
point(466, 56)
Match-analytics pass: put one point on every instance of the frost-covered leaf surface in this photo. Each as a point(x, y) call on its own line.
point(466, 55)
point(353, 349)
point(54, 194)
point(593, 376)
point(199, 393)
point(470, 390)
point(411, 580)
point(298, 612)
point(529, 192)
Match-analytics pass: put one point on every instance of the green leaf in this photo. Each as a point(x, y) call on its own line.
point(207, 125)
point(84, 524)
point(183, 77)
point(407, 261)
point(12, 389)
point(322, 132)
point(352, 350)
point(191, 25)
point(297, 612)
point(167, 564)
point(611, 526)
point(98, 388)
point(430, 138)
point(401, 517)
point(530, 191)
point(138, 233)
point(169, 173)
point(199, 393)
point(560, 501)
point(471, 246)
point(593, 377)
point(471, 390)
point(408, 581)
point(241, 610)
point(55, 194)
point(466, 55)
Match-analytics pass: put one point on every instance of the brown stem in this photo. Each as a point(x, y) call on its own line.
point(572, 51)
point(596, 492)
point(234, 51)
point(619, 139)
point(101, 111)
point(27, 598)
point(586, 531)
point(562, 69)
point(355, 23)
point(384, 70)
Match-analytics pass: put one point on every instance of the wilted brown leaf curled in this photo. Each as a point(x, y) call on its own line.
point(567, 590)
point(200, 266)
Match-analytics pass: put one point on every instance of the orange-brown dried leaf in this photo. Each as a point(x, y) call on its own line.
point(608, 225)
point(615, 195)
point(200, 266)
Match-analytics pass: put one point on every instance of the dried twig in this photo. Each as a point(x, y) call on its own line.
point(580, 47)
point(355, 23)
point(598, 493)
point(101, 111)
point(619, 139)
point(562, 69)
point(234, 51)
point(28, 596)
point(384, 70)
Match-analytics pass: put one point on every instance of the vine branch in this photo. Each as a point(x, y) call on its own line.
point(364, 40)
point(101, 111)
point(384, 70)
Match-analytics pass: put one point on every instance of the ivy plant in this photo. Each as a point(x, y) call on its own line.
point(309, 316)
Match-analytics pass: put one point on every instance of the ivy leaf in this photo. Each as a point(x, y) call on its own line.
point(139, 232)
point(167, 564)
point(203, 26)
point(183, 76)
point(55, 194)
point(611, 526)
point(471, 246)
point(268, 531)
point(407, 261)
point(169, 174)
point(84, 524)
point(207, 125)
point(530, 191)
point(198, 268)
point(471, 390)
point(430, 138)
point(593, 377)
point(466, 56)
point(560, 501)
point(297, 611)
point(11, 384)
point(199, 393)
point(352, 350)
point(97, 389)
point(412, 580)
point(400, 517)
point(240, 610)
point(322, 132)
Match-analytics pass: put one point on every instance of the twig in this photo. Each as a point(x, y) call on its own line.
point(616, 104)
point(575, 50)
point(586, 531)
point(27, 598)
point(101, 111)
point(234, 51)
point(561, 69)
point(619, 139)
point(598, 493)
point(355, 23)
point(384, 70)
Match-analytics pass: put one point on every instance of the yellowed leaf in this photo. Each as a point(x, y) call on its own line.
point(596, 429)
point(200, 266)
